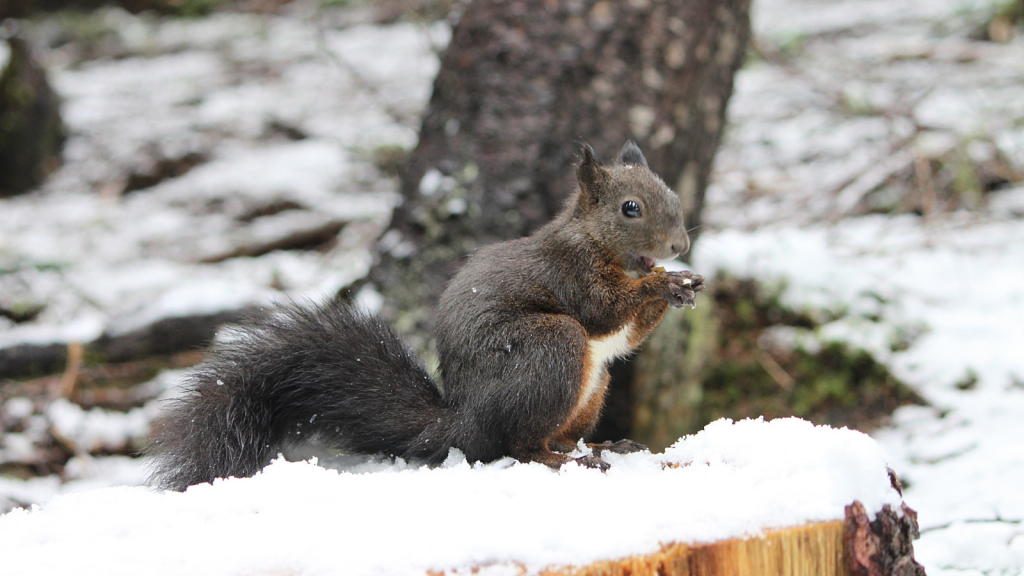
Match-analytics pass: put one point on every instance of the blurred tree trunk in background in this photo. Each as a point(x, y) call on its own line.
point(31, 131)
point(521, 84)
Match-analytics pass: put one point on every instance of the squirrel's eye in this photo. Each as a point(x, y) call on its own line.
point(631, 209)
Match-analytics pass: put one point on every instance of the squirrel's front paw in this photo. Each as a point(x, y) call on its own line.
point(682, 287)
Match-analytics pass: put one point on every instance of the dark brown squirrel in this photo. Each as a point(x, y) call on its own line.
point(525, 332)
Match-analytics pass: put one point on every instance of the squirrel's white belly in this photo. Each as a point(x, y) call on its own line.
point(600, 353)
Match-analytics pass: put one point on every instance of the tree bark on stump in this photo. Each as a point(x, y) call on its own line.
point(883, 546)
point(521, 84)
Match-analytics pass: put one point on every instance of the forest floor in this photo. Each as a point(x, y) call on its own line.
point(871, 172)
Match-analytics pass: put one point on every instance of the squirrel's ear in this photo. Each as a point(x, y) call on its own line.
point(631, 154)
point(591, 175)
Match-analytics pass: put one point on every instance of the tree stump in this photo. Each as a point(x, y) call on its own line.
point(854, 547)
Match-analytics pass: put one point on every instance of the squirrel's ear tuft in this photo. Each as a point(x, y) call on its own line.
point(591, 175)
point(588, 153)
point(631, 154)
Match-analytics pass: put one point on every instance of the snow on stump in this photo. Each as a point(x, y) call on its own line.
point(751, 497)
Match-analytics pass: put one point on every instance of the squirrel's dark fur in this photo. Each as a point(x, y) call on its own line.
point(524, 334)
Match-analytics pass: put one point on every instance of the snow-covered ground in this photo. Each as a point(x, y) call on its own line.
point(105, 258)
point(846, 96)
point(797, 161)
point(962, 281)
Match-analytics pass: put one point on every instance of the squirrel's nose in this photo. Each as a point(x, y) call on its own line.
point(682, 245)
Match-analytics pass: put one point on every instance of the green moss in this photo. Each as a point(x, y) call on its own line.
point(83, 27)
point(749, 376)
point(792, 45)
point(957, 179)
point(390, 159)
point(196, 8)
point(969, 381)
point(16, 265)
point(966, 182)
point(905, 336)
point(856, 104)
point(21, 310)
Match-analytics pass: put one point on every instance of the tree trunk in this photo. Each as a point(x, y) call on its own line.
point(31, 131)
point(521, 84)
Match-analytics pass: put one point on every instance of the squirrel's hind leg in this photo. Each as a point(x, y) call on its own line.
point(525, 397)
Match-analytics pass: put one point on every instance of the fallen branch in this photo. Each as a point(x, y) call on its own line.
point(71, 372)
point(848, 195)
point(297, 240)
point(777, 372)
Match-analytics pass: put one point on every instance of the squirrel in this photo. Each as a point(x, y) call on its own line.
point(525, 332)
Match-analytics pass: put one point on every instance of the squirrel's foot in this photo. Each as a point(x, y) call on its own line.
point(593, 462)
point(624, 446)
point(682, 287)
point(563, 446)
point(543, 456)
point(557, 460)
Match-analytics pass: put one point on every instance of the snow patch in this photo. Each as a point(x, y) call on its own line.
point(735, 480)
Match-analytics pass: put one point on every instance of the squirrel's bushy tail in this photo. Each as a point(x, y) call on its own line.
point(327, 373)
